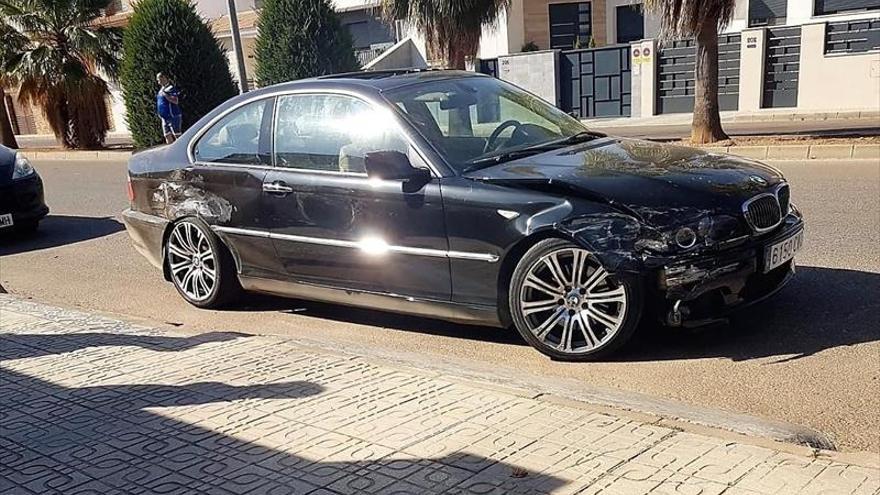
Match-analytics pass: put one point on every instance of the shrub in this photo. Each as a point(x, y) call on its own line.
point(299, 39)
point(169, 36)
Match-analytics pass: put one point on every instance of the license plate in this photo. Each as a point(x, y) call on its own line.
point(5, 220)
point(777, 254)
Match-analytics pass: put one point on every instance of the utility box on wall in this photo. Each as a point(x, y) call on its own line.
point(537, 72)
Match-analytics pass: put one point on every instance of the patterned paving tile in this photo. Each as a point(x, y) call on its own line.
point(91, 405)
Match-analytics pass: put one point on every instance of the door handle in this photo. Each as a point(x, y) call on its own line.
point(277, 187)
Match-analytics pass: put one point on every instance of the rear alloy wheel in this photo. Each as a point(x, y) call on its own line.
point(565, 304)
point(201, 269)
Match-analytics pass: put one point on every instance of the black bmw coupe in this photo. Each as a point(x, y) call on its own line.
point(458, 196)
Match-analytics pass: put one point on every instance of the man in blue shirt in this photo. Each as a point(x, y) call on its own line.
point(168, 108)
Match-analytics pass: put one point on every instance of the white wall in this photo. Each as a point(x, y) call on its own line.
point(404, 54)
point(494, 41)
point(247, 49)
point(117, 109)
point(855, 76)
point(537, 72)
point(346, 5)
point(797, 12)
point(211, 9)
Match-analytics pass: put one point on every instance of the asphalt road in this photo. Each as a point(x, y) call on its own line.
point(810, 356)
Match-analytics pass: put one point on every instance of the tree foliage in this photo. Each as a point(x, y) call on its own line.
point(59, 59)
point(700, 19)
point(687, 18)
point(169, 36)
point(452, 27)
point(299, 39)
point(13, 42)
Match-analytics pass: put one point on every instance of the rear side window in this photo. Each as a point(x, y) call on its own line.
point(236, 138)
point(332, 133)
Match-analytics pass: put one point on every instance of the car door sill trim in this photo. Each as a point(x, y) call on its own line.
point(447, 310)
point(415, 251)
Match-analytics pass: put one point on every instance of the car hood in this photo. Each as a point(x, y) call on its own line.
point(659, 183)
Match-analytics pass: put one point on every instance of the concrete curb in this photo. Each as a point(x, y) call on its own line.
point(770, 152)
point(803, 151)
point(852, 116)
point(77, 155)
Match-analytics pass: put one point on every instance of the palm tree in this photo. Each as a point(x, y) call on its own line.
point(452, 27)
point(700, 19)
point(11, 43)
point(61, 64)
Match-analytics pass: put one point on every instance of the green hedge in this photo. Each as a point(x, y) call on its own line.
point(169, 36)
point(299, 39)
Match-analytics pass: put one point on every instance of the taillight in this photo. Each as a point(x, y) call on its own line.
point(130, 191)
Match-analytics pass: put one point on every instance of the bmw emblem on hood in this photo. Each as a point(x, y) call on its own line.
point(758, 180)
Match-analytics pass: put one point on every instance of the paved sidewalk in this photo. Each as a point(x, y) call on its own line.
point(93, 405)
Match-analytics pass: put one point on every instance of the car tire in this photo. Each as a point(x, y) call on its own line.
point(570, 318)
point(200, 266)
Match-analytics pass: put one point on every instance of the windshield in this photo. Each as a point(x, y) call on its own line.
point(475, 120)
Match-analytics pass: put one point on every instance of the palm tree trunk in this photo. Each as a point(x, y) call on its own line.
point(456, 56)
point(7, 136)
point(706, 127)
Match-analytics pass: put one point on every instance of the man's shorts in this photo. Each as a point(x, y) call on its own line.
point(171, 125)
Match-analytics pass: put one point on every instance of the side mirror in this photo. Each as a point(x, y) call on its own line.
point(394, 165)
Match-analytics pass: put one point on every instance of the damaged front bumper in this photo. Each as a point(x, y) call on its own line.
point(702, 289)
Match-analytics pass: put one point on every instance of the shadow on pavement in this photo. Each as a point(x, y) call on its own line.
point(18, 346)
point(104, 440)
point(820, 309)
point(58, 230)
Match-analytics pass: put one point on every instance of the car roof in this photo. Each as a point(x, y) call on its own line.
point(383, 80)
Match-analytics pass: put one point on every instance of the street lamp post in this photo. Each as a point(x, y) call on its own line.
point(236, 47)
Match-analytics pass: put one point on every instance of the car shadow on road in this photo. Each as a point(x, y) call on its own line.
point(58, 230)
point(123, 438)
point(377, 318)
point(820, 309)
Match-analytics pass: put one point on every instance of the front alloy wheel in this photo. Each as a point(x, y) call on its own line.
point(565, 304)
point(198, 264)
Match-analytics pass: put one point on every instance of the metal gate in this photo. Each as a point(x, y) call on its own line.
point(781, 67)
point(596, 82)
point(676, 83)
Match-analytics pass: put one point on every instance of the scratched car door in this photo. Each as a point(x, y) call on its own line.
point(334, 226)
point(224, 184)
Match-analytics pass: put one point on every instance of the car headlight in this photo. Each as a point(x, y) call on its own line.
point(685, 238)
point(22, 168)
point(708, 231)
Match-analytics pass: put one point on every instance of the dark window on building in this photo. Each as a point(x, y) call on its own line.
point(767, 12)
point(570, 25)
point(630, 23)
point(825, 7)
